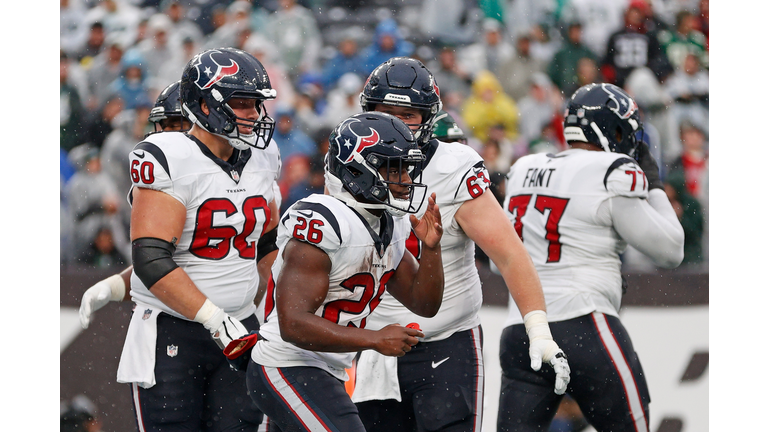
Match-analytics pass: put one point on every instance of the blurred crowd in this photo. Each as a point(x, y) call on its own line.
point(504, 69)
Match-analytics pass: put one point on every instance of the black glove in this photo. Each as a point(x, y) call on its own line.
point(238, 352)
point(649, 166)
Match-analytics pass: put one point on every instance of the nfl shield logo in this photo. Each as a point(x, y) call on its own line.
point(172, 350)
point(235, 176)
point(147, 314)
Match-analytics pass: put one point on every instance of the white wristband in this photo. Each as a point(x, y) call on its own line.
point(116, 286)
point(536, 325)
point(209, 314)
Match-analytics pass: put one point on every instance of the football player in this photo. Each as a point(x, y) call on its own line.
point(447, 130)
point(576, 211)
point(338, 255)
point(165, 116)
point(203, 215)
point(439, 384)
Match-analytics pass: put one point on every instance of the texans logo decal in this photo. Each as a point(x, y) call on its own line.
point(622, 105)
point(348, 148)
point(210, 71)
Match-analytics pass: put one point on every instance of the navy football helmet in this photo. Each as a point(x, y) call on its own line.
point(604, 115)
point(167, 109)
point(217, 75)
point(404, 81)
point(363, 144)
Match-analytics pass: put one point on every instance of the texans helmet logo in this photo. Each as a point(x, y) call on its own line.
point(210, 71)
point(348, 148)
point(623, 105)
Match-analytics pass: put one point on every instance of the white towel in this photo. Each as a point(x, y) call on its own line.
point(376, 377)
point(137, 362)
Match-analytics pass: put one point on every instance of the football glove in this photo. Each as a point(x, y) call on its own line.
point(224, 328)
point(97, 296)
point(238, 352)
point(649, 166)
point(543, 347)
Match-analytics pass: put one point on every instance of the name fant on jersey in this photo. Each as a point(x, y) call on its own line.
point(538, 177)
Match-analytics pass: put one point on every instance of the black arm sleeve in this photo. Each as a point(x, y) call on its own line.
point(152, 259)
point(267, 243)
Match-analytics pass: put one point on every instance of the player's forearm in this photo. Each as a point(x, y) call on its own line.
point(179, 293)
point(428, 284)
point(311, 332)
point(520, 276)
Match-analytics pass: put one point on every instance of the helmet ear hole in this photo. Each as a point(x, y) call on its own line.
point(618, 134)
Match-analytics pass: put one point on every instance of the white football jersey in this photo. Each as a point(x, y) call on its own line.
point(455, 173)
point(557, 204)
point(227, 211)
point(362, 261)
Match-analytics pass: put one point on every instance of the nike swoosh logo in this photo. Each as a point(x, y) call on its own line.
point(434, 365)
point(309, 214)
point(141, 156)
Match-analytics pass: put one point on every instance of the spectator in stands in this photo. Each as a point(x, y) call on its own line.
point(266, 52)
point(131, 127)
point(237, 19)
point(634, 46)
point(449, 21)
point(387, 43)
point(684, 40)
point(489, 53)
point(93, 44)
point(290, 139)
point(587, 72)
point(92, 197)
point(690, 214)
point(489, 106)
point(454, 82)
point(544, 42)
point(599, 19)
point(343, 101)
point(131, 85)
point(347, 59)
point(169, 71)
point(689, 89)
point(293, 29)
point(180, 28)
point(538, 108)
point(654, 103)
point(694, 161)
point(515, 73)
point(71, 110)
point(98, 124)
point(498, 150)
point(563, 69)
point(156, 49)
point(73, 31)
point(106, 68)
point(119, 17)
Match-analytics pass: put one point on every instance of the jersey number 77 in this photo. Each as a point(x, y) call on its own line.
point(518, 206)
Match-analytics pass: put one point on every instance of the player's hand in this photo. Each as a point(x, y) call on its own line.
point(429, 229)
point(224, 328)
point(550, 352)
point(97, 296)
point(543, 347)
point(396, 340)
point(649, 166)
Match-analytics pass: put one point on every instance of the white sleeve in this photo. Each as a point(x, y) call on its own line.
point(650, 226)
